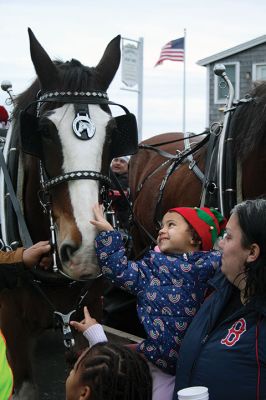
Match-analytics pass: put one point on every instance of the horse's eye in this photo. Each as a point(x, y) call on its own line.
point(45, 131)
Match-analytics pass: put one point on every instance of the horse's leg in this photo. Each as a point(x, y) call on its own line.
point(19, 344)
point(28, 391)
point(24, 314)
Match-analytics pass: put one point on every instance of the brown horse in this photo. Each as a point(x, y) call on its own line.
point(58, 151)
point(245, 163)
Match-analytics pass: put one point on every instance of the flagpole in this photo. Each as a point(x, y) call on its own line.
point(184, 85)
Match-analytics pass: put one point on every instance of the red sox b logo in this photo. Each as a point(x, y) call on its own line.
point(234, 333)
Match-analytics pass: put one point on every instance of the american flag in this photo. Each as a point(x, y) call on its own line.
point(173, 51)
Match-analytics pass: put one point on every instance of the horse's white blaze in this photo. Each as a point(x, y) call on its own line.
point(82, 155)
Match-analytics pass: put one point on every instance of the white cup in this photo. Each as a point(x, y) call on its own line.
point(193, 393)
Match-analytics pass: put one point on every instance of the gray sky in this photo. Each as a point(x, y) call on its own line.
point(81, 29)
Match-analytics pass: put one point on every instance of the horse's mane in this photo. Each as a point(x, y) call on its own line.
point(73, 76)
point(249, 122)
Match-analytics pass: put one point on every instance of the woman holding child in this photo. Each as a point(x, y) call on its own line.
point(225, 346)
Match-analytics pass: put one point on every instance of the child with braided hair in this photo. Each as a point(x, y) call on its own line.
point(107, 371)
point(170, 285)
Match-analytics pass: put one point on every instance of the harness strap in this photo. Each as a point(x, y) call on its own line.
point(159, 151)
point(215, 132)
point(193, 166)
point(187, 153)
point(135, 221)
point(140, 186)
point(192, 163)
point(24, 233)
point(171, 141)
point(172, 168)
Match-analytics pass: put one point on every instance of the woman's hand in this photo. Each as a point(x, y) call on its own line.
point(86, 323)
point(100, 222)
point(38, 254)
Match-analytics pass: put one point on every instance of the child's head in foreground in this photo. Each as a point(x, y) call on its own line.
point(186, 229)
point(109, 372)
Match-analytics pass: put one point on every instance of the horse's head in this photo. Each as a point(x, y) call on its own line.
point(73, 136)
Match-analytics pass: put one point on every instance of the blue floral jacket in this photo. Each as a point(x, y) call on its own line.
point(169, 289)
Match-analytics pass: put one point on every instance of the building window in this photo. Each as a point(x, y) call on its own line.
point(259, 72)
point(220, 87)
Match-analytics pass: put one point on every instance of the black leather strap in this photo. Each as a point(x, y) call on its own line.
point(24, 233)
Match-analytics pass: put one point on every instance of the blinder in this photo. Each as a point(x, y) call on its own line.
point(30, 135)
point(124, 136)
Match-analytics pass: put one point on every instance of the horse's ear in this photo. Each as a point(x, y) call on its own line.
point(110, 61)
point(44, 66)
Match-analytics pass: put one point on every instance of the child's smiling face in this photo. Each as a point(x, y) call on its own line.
point(175, 235)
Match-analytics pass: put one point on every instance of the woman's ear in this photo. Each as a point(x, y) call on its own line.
point(85, 393)
point(254, 252)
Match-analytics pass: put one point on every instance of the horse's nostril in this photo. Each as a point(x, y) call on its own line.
point(67, 251)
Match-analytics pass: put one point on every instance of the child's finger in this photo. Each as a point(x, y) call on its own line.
point(94, 222)
point(99, 210)
point(75, 324)
point(86, 312)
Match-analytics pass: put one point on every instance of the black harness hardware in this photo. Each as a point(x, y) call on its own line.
point(63, 320)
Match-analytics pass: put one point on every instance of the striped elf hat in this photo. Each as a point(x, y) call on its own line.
point(207, 222)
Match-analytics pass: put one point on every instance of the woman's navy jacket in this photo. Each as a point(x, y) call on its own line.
point(229, 359)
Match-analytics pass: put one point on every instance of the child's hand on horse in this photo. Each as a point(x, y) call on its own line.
point(100, 222)
point(86, 323)
point(38, 254)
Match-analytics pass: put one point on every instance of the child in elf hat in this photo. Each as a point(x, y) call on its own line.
point(170, 285)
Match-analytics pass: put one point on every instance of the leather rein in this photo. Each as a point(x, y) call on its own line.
point(172, 161)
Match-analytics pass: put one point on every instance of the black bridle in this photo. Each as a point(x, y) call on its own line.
point(93, 97)
point(48, 183)
point(80, 100)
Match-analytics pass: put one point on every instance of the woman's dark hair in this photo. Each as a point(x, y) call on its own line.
point(114, 372)
point(252, 220)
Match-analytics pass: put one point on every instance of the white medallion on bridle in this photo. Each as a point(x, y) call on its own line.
point(83, 127)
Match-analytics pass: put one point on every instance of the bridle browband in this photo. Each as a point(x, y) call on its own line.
point(64, 96)
point(93, 97)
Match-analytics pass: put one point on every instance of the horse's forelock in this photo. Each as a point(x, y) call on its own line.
point(73, 76)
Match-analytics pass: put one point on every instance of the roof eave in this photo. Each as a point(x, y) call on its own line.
point(234, 50)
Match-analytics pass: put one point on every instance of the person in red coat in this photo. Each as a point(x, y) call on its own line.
point(3, 117)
